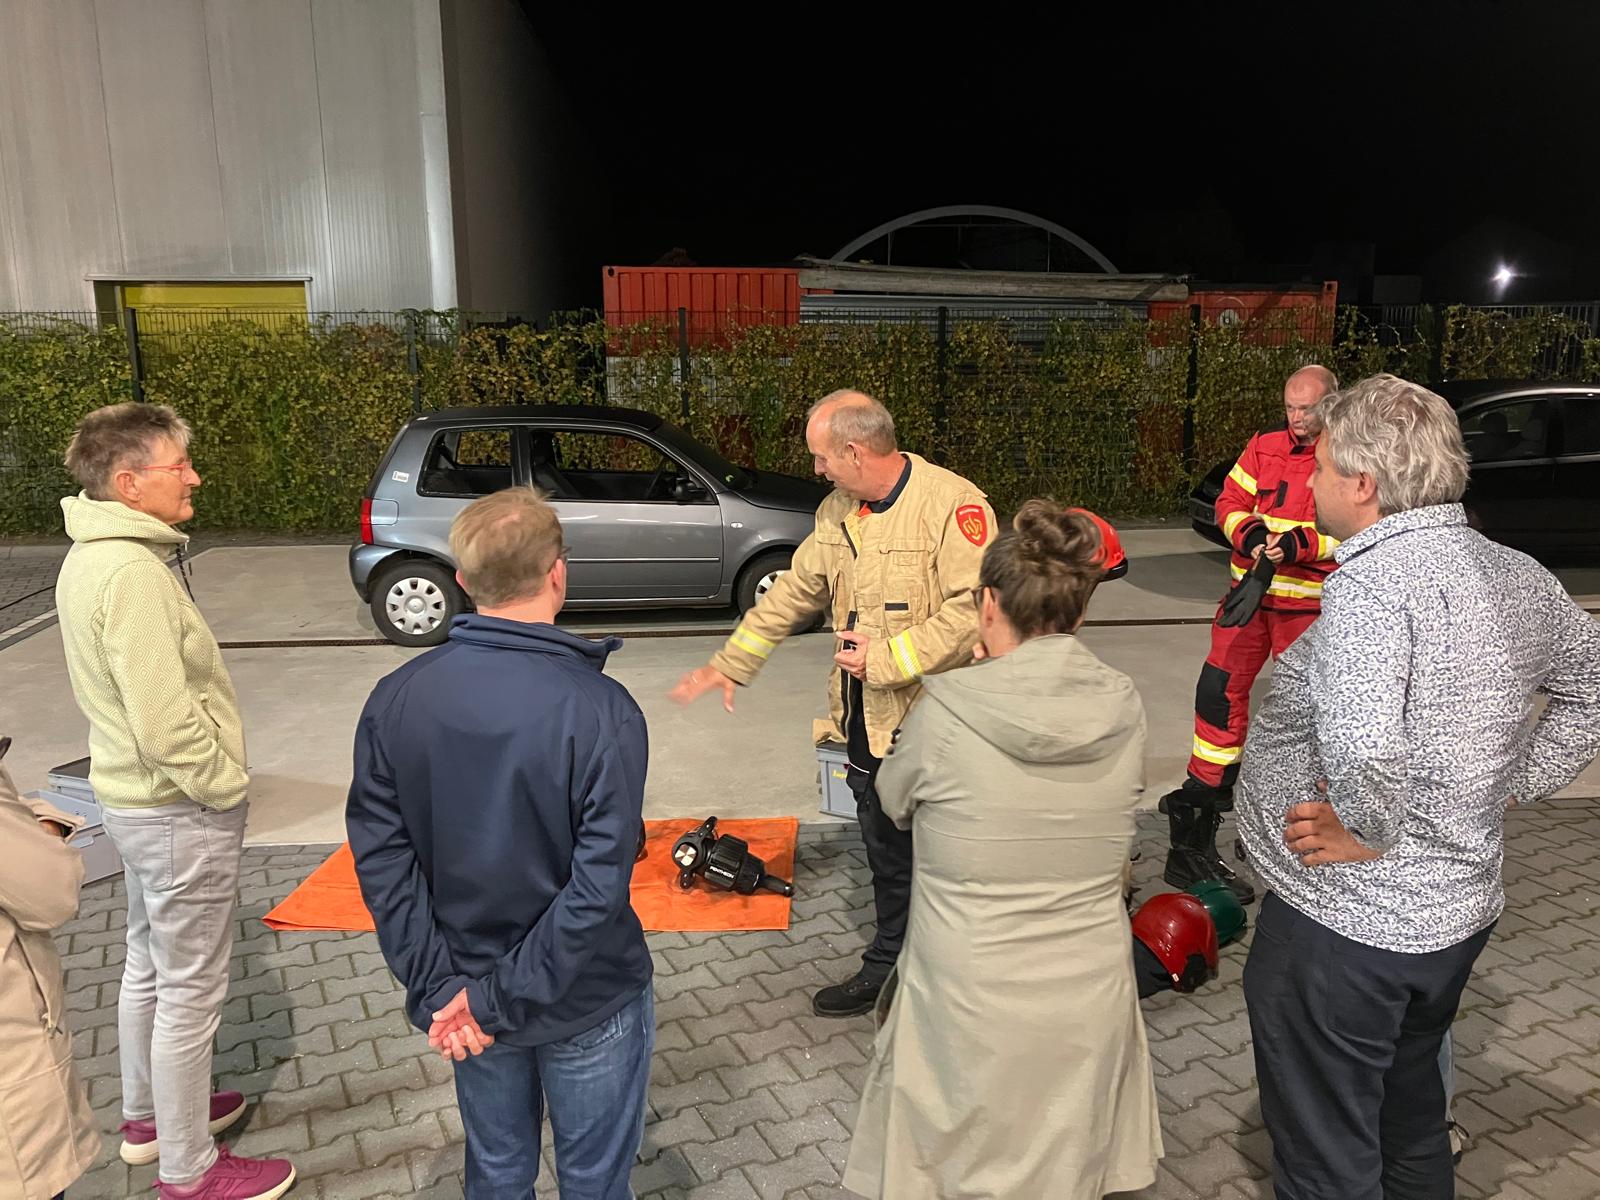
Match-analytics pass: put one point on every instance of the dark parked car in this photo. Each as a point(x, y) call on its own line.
point(652, 518)
point(1535, 451)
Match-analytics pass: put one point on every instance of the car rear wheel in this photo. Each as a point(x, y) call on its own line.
point(414, 602)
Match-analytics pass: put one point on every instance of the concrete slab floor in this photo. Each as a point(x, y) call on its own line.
point(301, 703)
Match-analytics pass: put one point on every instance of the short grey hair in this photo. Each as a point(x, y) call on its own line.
point(1404, 436)
point(856, 417)
point(110, 439)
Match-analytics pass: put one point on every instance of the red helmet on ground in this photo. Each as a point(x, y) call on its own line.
point(1178, 930)
point(1113, 562)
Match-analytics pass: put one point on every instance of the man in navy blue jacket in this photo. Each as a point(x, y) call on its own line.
point(494, 817)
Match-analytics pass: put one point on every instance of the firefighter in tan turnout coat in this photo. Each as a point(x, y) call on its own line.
point(894, 559)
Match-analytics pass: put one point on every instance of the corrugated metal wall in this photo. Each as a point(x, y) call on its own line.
point(167, 139)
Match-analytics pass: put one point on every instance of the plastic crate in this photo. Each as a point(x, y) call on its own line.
point(833, 774)
point(100, 857)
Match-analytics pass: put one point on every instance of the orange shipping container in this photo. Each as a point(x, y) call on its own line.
point(1308, 308)
point(714, 299)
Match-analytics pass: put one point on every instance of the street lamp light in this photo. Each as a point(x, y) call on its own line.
point(1504, 276)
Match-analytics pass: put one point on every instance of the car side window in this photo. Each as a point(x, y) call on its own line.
point(467, 462)
point(1518, 429)
point(1580, 424)
point(595, 465)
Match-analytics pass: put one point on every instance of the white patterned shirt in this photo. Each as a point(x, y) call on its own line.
point(1413, 695)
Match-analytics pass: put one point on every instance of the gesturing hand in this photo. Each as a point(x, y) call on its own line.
point(700, 681)
point(455, 1032)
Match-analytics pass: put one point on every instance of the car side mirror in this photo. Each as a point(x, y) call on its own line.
point(686, 491)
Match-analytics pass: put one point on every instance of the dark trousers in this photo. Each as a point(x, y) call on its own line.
point(1347, 1056)
point(889, 859)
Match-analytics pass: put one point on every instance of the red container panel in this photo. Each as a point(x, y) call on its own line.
point(1312, 308)
point(714, 299)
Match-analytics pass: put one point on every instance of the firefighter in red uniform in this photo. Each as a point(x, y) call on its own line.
point(1279, 562)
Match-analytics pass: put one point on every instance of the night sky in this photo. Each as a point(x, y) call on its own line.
point(1227, 141)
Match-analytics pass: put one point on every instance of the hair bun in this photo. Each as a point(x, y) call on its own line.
point(1053, 539)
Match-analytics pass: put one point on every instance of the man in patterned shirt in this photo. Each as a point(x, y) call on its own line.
point(1373, 792)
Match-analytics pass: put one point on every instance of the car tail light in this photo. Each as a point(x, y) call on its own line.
point(366, 521)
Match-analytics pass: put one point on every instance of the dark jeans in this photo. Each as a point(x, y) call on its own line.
point(1347, 1055)
point(889, 858)
point(595, 1083)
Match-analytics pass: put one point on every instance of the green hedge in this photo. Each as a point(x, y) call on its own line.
point(291, 420)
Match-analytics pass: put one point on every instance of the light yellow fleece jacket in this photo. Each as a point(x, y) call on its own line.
point(147, 673)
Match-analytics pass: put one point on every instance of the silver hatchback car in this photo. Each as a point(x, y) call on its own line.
point(652, 518)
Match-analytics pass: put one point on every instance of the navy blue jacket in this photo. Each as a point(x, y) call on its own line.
point(494, 818)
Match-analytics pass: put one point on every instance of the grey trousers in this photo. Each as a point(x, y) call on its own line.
point(182, 872)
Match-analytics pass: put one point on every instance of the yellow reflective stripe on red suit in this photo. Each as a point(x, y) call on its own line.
point(1285, 585)
point(1222, 756)
point(1232, 522)
point(1243, 478)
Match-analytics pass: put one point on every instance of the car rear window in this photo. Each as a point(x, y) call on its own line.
point(467, 462)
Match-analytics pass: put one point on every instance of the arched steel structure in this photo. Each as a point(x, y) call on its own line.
point(975, 210)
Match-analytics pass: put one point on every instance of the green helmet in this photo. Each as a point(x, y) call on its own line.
point(1227, 914)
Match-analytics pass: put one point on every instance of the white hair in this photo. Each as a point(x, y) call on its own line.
point(1401, 434)
point(854, 416)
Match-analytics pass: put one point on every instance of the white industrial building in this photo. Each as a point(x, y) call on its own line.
point(321, 155)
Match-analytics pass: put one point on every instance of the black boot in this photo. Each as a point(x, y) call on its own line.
point(850, 998)
point(1193, 817)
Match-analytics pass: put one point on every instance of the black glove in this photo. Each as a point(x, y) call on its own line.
point(1244, 598)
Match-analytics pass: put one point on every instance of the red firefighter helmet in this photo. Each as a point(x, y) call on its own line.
point(1113, 562)
point(1178, 930)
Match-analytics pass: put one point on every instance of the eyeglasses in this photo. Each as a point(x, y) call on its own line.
point(977, 594)
point(178, 468)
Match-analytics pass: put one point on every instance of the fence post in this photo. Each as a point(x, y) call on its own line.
point(1436, 330)
point(683, 362)
point(1191, 391)
point(130, 327)
point(413, 360)
point(941, 399)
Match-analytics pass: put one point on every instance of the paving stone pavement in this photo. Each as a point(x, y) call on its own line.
point(28, 581)
point(753, 1097)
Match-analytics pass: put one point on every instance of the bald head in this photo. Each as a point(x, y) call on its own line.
point(849, 417)
point(852, 443)
point(1301, 395)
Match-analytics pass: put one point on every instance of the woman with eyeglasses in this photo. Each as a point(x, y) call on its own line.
point(1011, 1060)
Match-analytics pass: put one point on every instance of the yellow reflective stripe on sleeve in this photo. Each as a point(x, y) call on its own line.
point(1236, 571)
point(752, 643)
point(1283, 524)
point(1222, 756)
point(1326, 546)
point(1232, 521)
point(1243, 478)
point(905, 655)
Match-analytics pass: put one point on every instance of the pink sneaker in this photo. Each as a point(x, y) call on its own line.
point(139, 1137)
point(233, 1178)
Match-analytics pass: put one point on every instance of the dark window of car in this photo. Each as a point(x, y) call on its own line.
point(467, 462)
point(597, 465)
point(1580, 424)
point(1517, 429)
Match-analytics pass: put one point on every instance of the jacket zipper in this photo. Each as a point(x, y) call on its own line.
point(849, 624)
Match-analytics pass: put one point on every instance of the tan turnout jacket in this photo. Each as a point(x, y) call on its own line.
point(903, 577)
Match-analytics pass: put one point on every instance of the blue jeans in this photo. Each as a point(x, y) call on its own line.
point(595, 1082)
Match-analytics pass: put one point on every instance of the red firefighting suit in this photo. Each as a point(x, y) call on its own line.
point(1267, 492)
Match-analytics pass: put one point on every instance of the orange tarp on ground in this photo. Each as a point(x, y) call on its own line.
point(331, 899)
